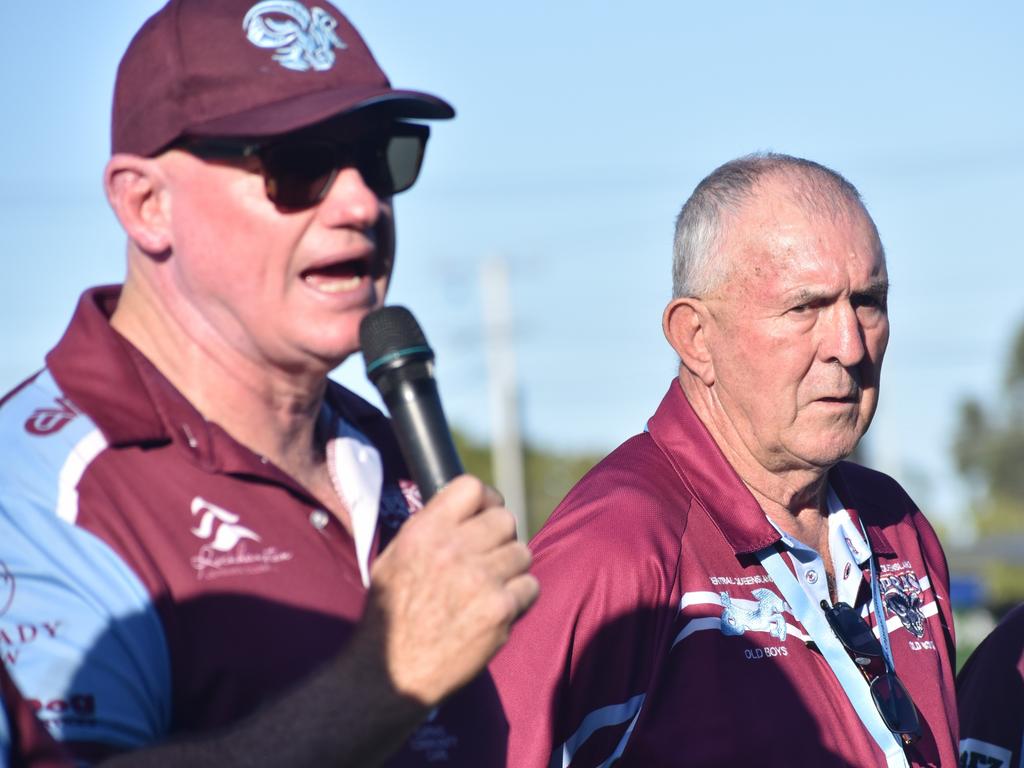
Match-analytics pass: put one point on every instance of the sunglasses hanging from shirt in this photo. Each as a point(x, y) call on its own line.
point(889, 694)
point(881, 702)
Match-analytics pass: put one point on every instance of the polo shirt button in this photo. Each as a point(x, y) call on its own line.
point(318, 519)
point(812, 577)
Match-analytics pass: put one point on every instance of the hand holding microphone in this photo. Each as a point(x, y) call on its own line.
point(448, 588)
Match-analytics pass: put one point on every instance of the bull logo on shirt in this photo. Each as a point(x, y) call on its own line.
point(902, 595)
point(767, 616)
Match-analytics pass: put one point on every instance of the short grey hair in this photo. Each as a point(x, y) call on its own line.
point(700, 225)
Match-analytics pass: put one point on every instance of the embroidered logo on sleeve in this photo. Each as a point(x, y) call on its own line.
point(226, 551)
point(47, 421)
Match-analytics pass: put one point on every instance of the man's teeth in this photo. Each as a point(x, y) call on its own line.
point(334, 284)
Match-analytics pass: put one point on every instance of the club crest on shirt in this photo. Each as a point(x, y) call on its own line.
point(227, 551)
point(901, 593)
point(766, 616)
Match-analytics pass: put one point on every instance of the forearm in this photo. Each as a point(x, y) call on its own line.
point(348, 713)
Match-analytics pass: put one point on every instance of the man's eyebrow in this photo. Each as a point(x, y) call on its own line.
point(876, 289)
point(807, 296)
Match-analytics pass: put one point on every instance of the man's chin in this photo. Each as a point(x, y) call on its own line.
point(828, 456)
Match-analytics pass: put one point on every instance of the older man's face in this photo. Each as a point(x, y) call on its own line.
point(800, 327)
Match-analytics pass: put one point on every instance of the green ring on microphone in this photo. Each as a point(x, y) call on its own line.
point(397, 353)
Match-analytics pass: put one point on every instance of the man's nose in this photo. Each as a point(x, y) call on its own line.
point(350, 202)
point(843, 339)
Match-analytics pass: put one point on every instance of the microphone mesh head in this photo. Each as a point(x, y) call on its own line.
point(389, 332)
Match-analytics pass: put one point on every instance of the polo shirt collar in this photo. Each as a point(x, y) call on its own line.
point(133, 403)
point(701, 465)
point(93, 365)
point(863, 508)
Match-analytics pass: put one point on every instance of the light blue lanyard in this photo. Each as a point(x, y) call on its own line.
point(876, 597)
point(846, 672)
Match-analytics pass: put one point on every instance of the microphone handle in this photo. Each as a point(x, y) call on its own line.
point(421, 428)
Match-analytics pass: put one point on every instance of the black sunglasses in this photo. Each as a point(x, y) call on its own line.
point(298, 170)
point(890, 696)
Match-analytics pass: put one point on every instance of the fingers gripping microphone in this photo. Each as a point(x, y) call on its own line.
point(400, 364)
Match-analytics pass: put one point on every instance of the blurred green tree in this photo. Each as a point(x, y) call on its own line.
point(989, 453)
point(549, 475)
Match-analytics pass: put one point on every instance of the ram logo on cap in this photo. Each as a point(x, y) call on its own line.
point(303, 41)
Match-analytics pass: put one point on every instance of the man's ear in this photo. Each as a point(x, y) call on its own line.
point(136, 189)
point(685, 324)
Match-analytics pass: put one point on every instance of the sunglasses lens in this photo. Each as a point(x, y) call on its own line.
point(404, 155)
point(391, 166)
point(853, 631)
point(299, 172)
point(895, 707)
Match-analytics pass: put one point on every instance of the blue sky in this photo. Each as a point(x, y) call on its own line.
point(582, 128)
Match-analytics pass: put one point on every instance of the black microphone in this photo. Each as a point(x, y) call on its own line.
point(400, 364)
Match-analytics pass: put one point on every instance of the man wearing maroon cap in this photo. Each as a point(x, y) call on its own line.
point(724, 589)
point(199, 532)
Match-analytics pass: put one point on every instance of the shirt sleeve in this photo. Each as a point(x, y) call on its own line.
point(603, 592)
point(78, 631)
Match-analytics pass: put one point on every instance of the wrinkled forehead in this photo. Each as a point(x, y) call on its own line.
point(789, 216)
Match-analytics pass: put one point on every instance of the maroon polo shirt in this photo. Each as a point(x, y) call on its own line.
point(165, 579)
point(631, 655)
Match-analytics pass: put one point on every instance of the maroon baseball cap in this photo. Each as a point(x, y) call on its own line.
point(248, 68)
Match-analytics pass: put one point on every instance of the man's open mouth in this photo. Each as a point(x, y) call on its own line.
point(337, 277)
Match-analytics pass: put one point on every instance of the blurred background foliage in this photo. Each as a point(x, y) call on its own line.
point(548, 475)
point(989, 451)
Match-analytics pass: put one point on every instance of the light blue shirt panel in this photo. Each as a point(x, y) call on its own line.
point(93, 628)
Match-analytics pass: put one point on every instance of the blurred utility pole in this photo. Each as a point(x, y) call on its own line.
point(507, 448)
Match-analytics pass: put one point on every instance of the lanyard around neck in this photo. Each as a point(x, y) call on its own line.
point(849, 676)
